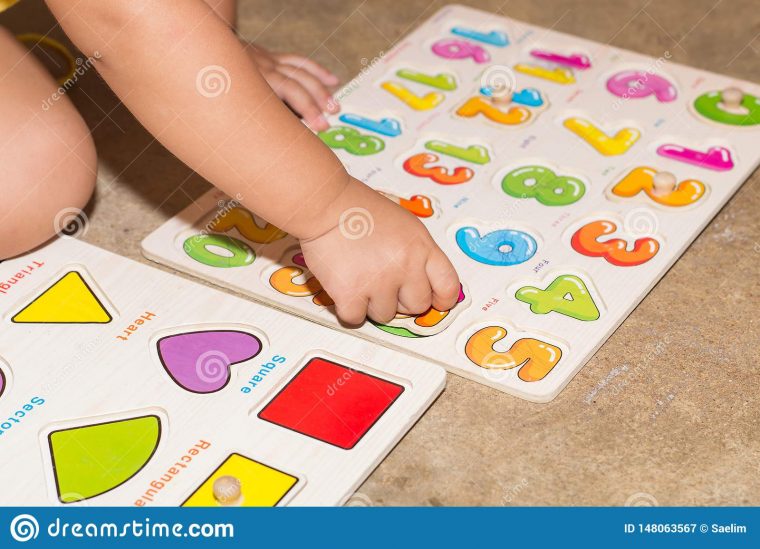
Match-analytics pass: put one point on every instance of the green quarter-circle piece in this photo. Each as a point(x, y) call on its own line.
point(91, 460)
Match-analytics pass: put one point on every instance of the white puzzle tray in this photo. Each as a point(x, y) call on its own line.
point(561, 176)
point(124, 385)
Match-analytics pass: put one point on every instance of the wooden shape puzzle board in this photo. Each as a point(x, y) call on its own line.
point(124, 385)
point(561, 176)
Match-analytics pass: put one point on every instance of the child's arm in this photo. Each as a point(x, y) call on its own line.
point(154, 55)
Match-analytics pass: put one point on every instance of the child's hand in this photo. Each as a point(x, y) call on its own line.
point(303, 84)
point(379, 260)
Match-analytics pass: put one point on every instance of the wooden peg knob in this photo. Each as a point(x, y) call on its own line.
point(664, 182)
point(501, 94)
point(227, 490)
point(732, 98)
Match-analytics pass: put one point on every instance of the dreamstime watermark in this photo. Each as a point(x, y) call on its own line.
point(356, 223)
point(24, 528)
point(213, 81)
point(640, 82)
point(513, 491)
point(212, 366)
point(353, 85)
point(82, 66)
point(359, 500)
point(224, 207)
point(71, 223)
point(641, 499)
point(498, 81)
point(620, 376)
point(642, 222)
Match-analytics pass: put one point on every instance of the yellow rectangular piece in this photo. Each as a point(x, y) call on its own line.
point(261, 485)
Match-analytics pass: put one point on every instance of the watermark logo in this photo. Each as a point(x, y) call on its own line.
point(211, 366)
point(641, 499)
point(70, 223)
point(356, 223)
point(213, 81)
point(498, 81)
point(359, 500)
point(642, 222)
point(24, 528)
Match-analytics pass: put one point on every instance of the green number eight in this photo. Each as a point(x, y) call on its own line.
point(240, 253)
point(544, 185)
point(354, 142)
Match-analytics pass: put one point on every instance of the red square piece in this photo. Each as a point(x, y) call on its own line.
point(331, 403)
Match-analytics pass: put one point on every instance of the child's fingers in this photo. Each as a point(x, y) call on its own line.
point(415, 296)
point(444, 280)
point(300, 100)
point(324, 76)
point(383, 303)
point(317, 90)
point(351, 310)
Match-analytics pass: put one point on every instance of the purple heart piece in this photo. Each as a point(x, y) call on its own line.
point(200, 361)
point(2, 382)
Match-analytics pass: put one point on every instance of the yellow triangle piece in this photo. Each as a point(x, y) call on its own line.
point(69, 301)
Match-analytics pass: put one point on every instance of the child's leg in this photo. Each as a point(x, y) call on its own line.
point(226, 9)
point(47, 156)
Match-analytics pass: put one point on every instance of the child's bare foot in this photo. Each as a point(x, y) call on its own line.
point(303, 84)
point(379, 260)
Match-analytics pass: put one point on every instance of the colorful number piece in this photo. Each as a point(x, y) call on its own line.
point(477, 105)
point(502, 247)
point(638, 84)
point(603, 143)
point(477, 154)
point(419, 166)
point(94, 459)
point(640, 179)
point(443, 81)
point(530, 97)
point(493, 38)
point(420, 205)
point(233, 252)
point(460, 49)
point(352, 141)
point(566, 295)
point(716, 158)
point(418, 103)
point(544, 185)
point(710, 105)
point(389, 127)
point(558, 75)
point(420, 325)
point(242, 220)
point(70, 300)
point(200, 361)
point(615, 251)
point(283, 280)
point(575, 60)
point(534, 357)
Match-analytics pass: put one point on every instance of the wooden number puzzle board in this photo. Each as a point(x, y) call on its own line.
point(561, 204)
point(123, 385)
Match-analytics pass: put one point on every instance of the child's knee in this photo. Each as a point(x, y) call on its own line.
point(50, 177)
